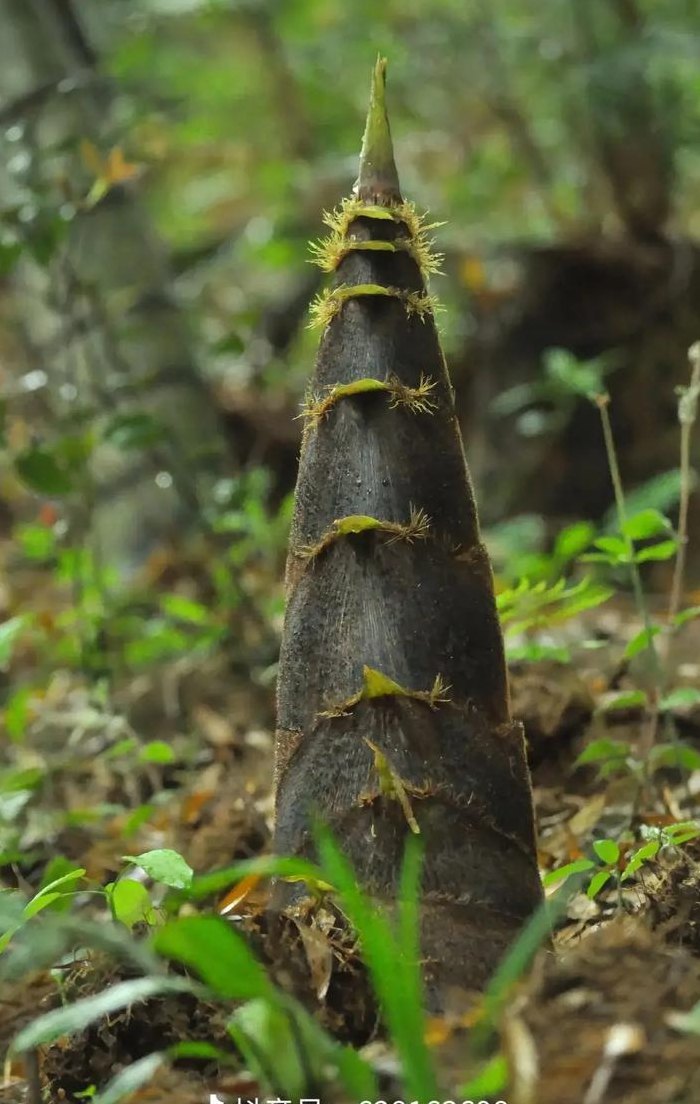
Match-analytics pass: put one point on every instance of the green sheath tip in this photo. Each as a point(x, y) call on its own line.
point(378, 180)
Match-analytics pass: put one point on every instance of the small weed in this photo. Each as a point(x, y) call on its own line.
point(615, 860)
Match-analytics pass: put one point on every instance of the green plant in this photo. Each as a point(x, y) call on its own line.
point(529, 607)
point(392, 954)
point(620, 551)
point(388, 942)
point(605, 863)
point(44, 898)
point(279, 1040)
point(547, 403)
point(129, 900)
point(611, 862)
point(619, 757)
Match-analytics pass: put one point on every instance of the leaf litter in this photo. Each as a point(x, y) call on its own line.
point(599, 1016)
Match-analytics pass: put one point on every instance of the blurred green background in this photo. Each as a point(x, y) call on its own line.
point(557, 141)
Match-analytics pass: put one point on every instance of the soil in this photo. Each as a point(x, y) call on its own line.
point(598, 1017)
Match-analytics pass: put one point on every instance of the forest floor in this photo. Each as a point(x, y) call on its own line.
point(600, 1016)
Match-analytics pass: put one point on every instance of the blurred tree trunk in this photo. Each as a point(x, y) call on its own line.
point(93, 293)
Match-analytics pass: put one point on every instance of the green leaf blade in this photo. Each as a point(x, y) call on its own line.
point(219, 955)
point(597, 882)
point(578, 866)
point(82, 1013)
point(38, 468)
point(164, 865)
point(607, 850)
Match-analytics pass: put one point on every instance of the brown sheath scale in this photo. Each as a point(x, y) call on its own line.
point(392, 698)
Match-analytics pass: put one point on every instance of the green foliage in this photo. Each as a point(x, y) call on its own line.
point(661, 493)
point(641, 641)
point(44, 898)
point(266, 866)
point(42, 472)
point(280, 1041)
point(130, 432)
point(392, 957)
point(680, 698)
point(112, 627)
point(130, 902)
point(130, 1079)
point(547, 403)
point(218, 954)
point(529, 607)
point(36, 542)
point(617, 757)
point(286, 1049)
point(607, 862)
point(270, 66)
point(675, 755)
point(617, 551)
point(509, 190)
point(165, 866)
point(491, 1080)
point(156, 751)
point(541, 597)
point(80, 1014)
point(516, 961)
point(242, 514)
point(625, 699)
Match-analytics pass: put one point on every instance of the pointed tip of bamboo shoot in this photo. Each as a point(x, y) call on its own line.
point(378, 180)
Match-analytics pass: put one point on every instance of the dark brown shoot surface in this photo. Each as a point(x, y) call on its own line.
point(393, 700)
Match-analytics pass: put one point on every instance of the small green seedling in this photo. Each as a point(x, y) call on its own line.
point(602, 868)
point(45, 897)
point(608, 854)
